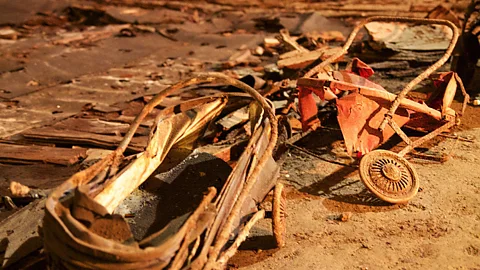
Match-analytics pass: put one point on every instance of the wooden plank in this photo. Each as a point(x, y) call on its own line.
point(73, 137)
point(300, 60)
point(97, 126)
point(13, 153)
point(38, 176)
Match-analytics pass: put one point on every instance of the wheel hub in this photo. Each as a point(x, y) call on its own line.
point(392, 172)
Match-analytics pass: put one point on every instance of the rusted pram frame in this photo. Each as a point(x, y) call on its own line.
point(214, 252)
point(399, 100)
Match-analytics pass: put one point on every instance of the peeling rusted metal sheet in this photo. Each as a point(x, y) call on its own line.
point(70, 240)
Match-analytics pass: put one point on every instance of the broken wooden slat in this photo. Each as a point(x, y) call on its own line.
point(89, 35)
point(291, 42)
point(73, 137)
point(12, 153)
point(270, 42)
point(97, 126)
point(241, 57)
point(295, 53)
point(304, 59)
point(300, 60)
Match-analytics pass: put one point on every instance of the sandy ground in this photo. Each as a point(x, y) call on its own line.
point(438, 229)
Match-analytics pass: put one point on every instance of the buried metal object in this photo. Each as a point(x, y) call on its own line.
point(81, 232)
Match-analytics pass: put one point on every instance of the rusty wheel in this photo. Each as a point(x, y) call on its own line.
point(278, 215)
point(389, 176)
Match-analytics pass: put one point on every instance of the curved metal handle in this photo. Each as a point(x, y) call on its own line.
point(412, 83)
point(424, 74)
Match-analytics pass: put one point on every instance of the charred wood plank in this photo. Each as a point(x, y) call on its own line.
point(27, 154)
point(73, 137)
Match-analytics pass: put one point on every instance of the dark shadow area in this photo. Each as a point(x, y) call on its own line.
point(3, 247)
point(35, 260)
point(26, 255)
point(321, 141)
point(328, 182)
point(359, 203)
point(179, 191)
point(262, 242)
point(253, 250)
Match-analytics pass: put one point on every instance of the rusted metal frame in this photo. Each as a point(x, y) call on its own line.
point(466, 96)
point(219, 78)
point(427, 72)
point(53, 241)
point(400, 132)
point(224, 234)
point(225, 256)
point(203, 78)
point(370, 93)
point(194, 249)
point(427, 137)
point(224, 205)
point(115, 158)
